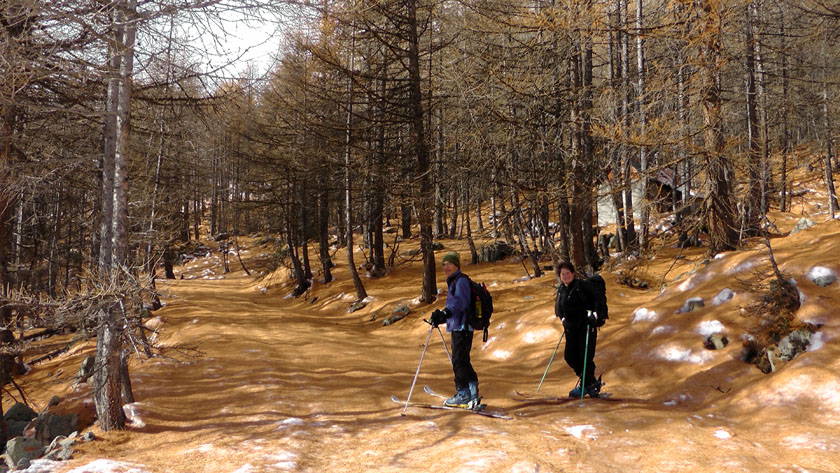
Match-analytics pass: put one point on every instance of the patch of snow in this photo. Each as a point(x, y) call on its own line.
point(195, 321)
point(673, 352)
point(368, 299)
point(694, 280)
point(577, 431)
point(720, 255)
point(132, 414)
point(722, 434)
point(821, 273)
point(522, 279)
point(263, 290)
point(664, 329)
point(670, 403)
point(109, 466)
point(817, 341)
point(501, 354)
point(724, 295)
point(42, 465)
point(743, 266)
point(292, 421)
point(246, 468)
point(348, 297)
point(536, 336)
point(710, 327)
point(643, 314)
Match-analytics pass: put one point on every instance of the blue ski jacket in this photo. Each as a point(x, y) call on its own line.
point(458, 302)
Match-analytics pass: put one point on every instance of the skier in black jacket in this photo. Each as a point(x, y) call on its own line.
point(574, 306)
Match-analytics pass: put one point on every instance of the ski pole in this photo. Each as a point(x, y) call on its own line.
point(444, 345)
point(585, 361)
point(550, 360)
point(418, 369)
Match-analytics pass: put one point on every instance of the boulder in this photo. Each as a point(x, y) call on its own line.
point(495, 251)
point(49, 426)
point(724, 295)
point(358, 305)
point(401, 309)
point(795, 343)
point(20, 448)
point(715, 341)
point(692, 304)
point(802, 225)
point(20, 412)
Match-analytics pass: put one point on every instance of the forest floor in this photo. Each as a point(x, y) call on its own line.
point(300, 384)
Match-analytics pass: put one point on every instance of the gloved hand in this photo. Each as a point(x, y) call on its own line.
point(592, 318)
point(440, 316)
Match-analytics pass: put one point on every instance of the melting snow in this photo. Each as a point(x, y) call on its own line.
point(672, 352)
point(133, 416)
point(817, 341)
point(664, 329)
point(642, 314)
point(292, 421)
point(501, 354)
point(536, 336)
point(108, 466)
point(577, 431)
point(709, 327)
point(722, 434)
point(820, 272)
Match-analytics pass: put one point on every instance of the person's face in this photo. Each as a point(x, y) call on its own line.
point(449, 269)
point(566, 276)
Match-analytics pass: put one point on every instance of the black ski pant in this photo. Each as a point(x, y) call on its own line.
point(576, 350)
point(461, 346)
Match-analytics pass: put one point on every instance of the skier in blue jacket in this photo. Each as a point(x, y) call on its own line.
point(455, 317)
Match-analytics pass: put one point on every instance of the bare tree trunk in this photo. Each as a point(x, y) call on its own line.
point(752, 213)
point(421, 152)
point(348, 201)
point(785, 132)
point(829, 175)
point(323, 232)
point(642, 106)
point(719, 205)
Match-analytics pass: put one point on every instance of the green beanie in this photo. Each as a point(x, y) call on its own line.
point(453, 258)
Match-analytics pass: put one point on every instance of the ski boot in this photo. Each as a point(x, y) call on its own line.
point(594, 389)
point(461, 399)
point(576, 391)
point(475, 399)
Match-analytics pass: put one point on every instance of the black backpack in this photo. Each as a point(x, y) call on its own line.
point(481, 307)
point(599, 292)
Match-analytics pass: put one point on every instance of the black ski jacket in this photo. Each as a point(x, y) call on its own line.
point(572, 302)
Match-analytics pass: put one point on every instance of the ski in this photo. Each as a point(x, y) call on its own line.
point(480, 410)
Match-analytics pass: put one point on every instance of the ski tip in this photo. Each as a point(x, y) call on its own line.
point(395, 399)
point(428, 389)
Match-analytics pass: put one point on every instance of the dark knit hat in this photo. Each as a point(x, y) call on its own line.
point(453, 258)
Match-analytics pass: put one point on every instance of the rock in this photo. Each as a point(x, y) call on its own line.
point(20, 448)
point(88, 437)
point(49, 426)
point(20, 412)
point(724, 295)
point(437, 246)
point(715, 341)
point(23, 464)
point(496, 251)
point(795, 343)
point(802, 225)
point(54, 401)
point(692, 304)
point(821, 276)
point(60, 454)
point(15, 428)
point(358, 305)
point(393, 318)
point(401, 309)
point(86, 370)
